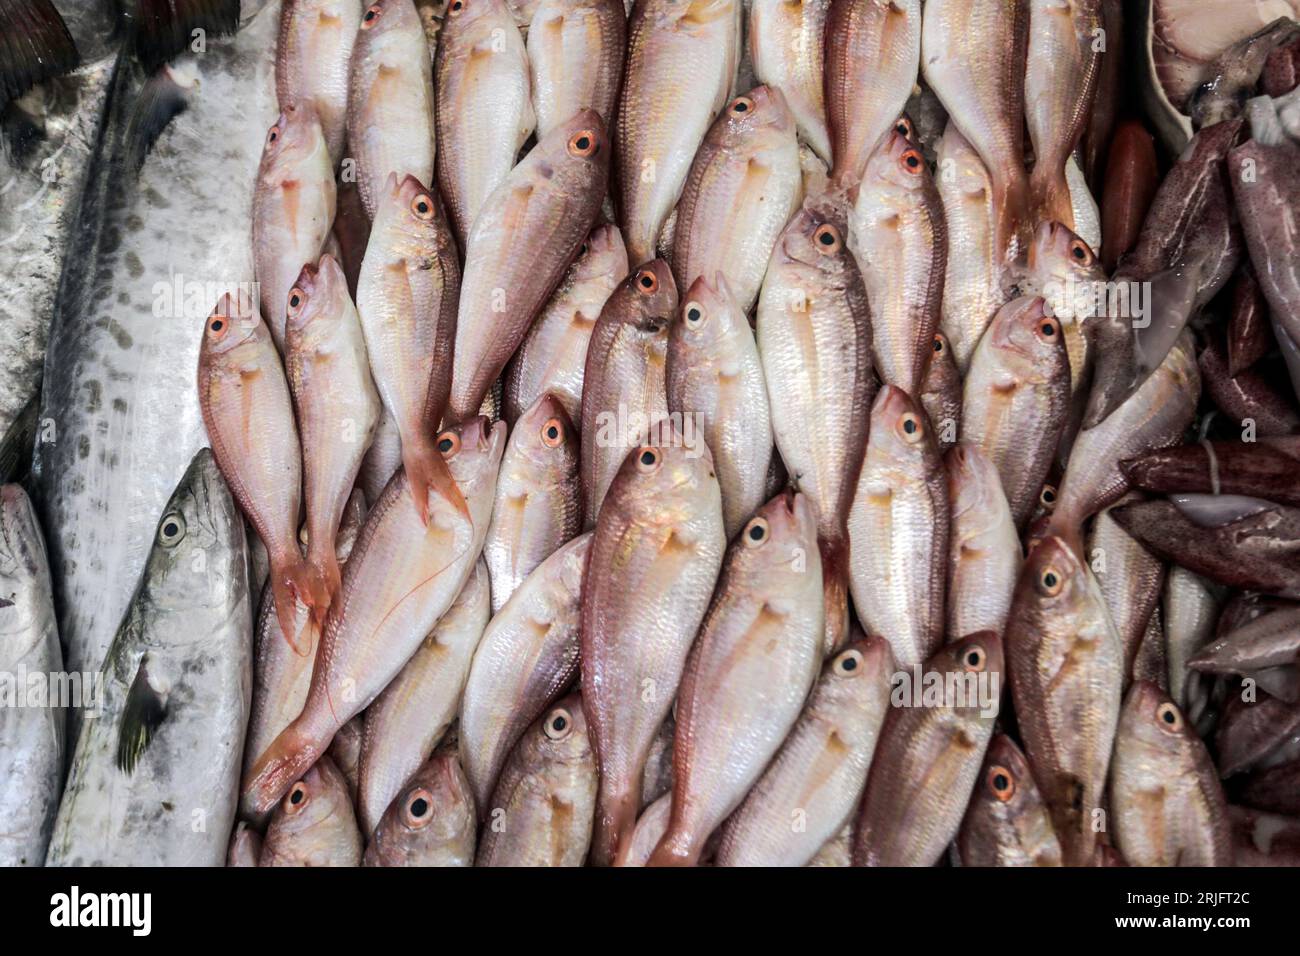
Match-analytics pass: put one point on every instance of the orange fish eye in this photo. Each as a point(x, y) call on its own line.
point(422, 206)
point(848, 664)
point(1048, 327)
point(296, 800)
point(553, 433)
point(456, 7)
point(217, 326)
point(559, 724)
point(373, 13)
point(419, 808)
point(584, 143)
point(1169, 717)
point(448, 444)
point(1080, 252)
point(647, 282)
point(938, 343)
point(974, 658)
point(1050, 582)
point(912, 161)
point(1001, 783)
point(827, 239)
point(741, 105)
point(273, 134)
point(648, 459)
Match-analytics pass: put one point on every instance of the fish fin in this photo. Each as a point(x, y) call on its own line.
point(287, 758)
point(292, 584)
point(615, 821)
point(835, 592)
point(1011, 211)
point(144, 712)
point(676, 848)
point(165, 28)
point(1051, 194)
point(427, 470)
point(163, 97)
point(19, 442)
point(34, 46)
point(329, 578)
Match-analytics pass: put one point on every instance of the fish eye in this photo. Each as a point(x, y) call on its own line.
point(1050, 582)
point(913, 431)
point(757, 532)
point(848, 664)
point(974, 658)
point(1047, 497)
point(559, 724)
point(1169, 717)
point(648, 459)
point(694, 313)
point(457, 6)
point(903, 127)
point(296, 800)
point(296, 299)
point(171, 530)
point(448, 444)
point(1048, 328)
point(373, 12)
point(419, 808)
point(217, 326)
point(582, 250)
point(273, 134)
point(1001, 782)
point(827, 238)
point(1080, 252)
point(912, 161)
point(422, 206)
point(938, 343)
point(741, 105)
point(647, 281)
point(584, 143)
point(553, 433)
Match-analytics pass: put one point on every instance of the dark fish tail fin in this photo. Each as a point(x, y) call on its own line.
point(35, 45)
point(161, 98)
point(164, 28)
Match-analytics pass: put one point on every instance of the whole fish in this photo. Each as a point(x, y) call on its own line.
point(575, 59)
point(553, 354)
point(1131, 579)
point(929, 757)
point(972, 285)
point(1261, 469)
point(293, 209)
point(32, 736)
point(650, 572)
point(898, 236)
point(1066, 666)
point(118, 391)
point(1017, 399)
point(541, 811)
point(1167, 805)
point(899, 531)
point(715, 374)
point(525, 237)
point(527, 657)
point(749, 672)
point(819, 773)
point(787, 47)
point(1061, 73)
point(873, 56)
point(814, 338)
point(402, 577)
point(314, 824)
point(149, 765)
point(431, 822)
point(681, 62)
point(411, 715)
point(744, 185)
point(484, 105)
point(407, 297)
point(538, 498)
point(624, 393)
point(335, 400)
point(1007, 823)
point(248, 413)
point(984, 550)
point(973, 57)
point(390, 119)
point(245, 846)
point(313, 61)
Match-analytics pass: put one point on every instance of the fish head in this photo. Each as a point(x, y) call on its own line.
point(897, 163)
point(816, 238)
point(980, 657)
point(1063, 268)
point(470, 18)
point(780, 541)
point(546, 438)
point(850, 674)
point(900, 433)
point(1005, 781)
point(705, 320)
point(319, 291)
point(22, 548)
point(602, 254)
point(315, 802)
point(665, 485)
point(233, 328)
point(651, 295)
point(1029, 340)
point(294, 139)
point(383, 18)
point(1152, 721)
point(760, 118)
point(560, 734)
point(1054, 583)
point(437, 806)
point(412, 213)
point(583, 138)
point(473, 452)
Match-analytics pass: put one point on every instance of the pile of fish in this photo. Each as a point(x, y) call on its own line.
point(701, 432)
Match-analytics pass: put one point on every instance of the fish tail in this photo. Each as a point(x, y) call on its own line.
point(35, 46)
point(327, 577)
point(292, 583)
point(677, 848)
point(835, 591)
point(163, 28)
point(612, 834)
point(1051, 194)
point(1011, 207)
point(427, 470)
point(288, 757)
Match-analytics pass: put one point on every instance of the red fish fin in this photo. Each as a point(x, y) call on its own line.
point(1052, 201)
point(294, 583)
point(288, 757)
point(426, 469)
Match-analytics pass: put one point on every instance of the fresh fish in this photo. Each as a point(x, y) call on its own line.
point(812, 785)
point(402, 577)
point(314, 824)
point(148, 767)
point(431, 822)
point(929, 757)
point(31, 736)
point(484, 105)
point(972, 286)
point(575, 59)
point(245, 846)
point(1167, 806)
point(1017, 399)
point(411, 715)
point(973, 57)
point(313, 62)
point(1131, 579)
point(1132, 175)
point(407, 297)
point(1007, 823)
point(1065, 662)
point(650, 573)
point(1260, 469)
point(749, 673)
point(390, 119)
point(523, 241)
point(899, 531)
point(541, 811)
point(787, 47)
point(624, 394)
point(984, 550)
point(1267, 641)
point(744, 185)
point(293, 209)
point(527, 657)
point(1191, 610)
point(873, 52)
point(715, 375)
point(681, 61)
point(118, 392)
point(553, 354)
point(814, 338)
point(941, 393)
point(335, 400)
point(898, 236)
point(538, 498)
point(1061, 74)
